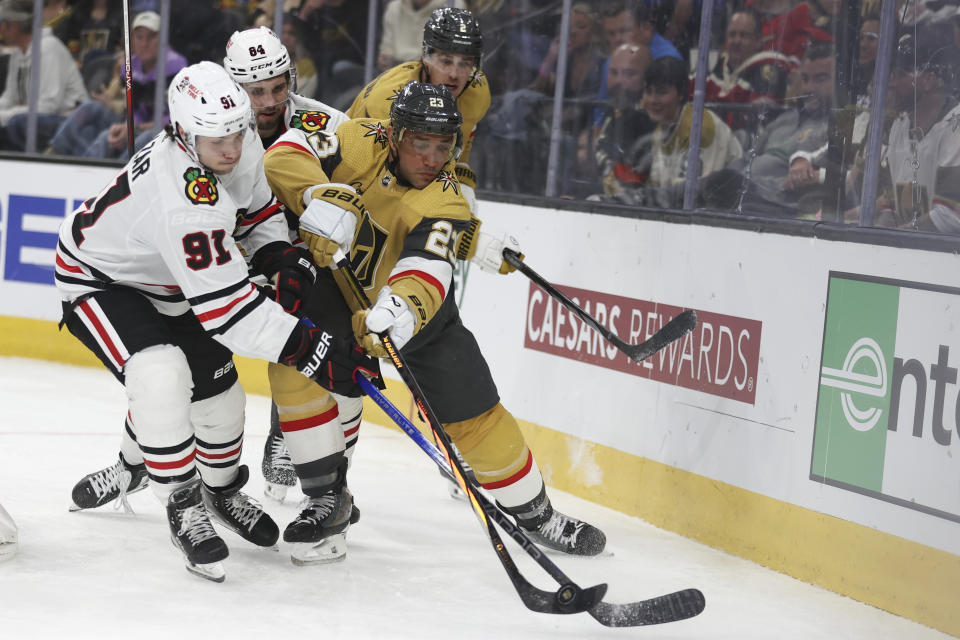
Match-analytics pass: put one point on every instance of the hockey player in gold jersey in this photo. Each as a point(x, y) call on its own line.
point(452, 50)
point(385, 193)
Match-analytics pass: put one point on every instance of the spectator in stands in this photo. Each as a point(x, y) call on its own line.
point(91, 29)
point(781, 177)
point(629, 24)
point(292, 39)
point(402, 32)
point(632, 23)
point(787, 26)
point(744, 73)
point(584, 68)
point(665, 86)
point(869, 39)
point(583, 56)
point(923, 150)
point(335, 34)
point(678, 21)
point(198, 28)
point(61, 87)
point(623, 149)
point(101, 120)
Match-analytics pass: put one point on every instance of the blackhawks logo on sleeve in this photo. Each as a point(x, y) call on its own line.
point(201, 187)
point(309, 121)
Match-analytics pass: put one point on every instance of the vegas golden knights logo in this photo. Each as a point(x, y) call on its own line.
point(368, 246)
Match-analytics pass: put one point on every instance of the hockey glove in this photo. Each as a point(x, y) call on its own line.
point(390, 313)
point(291, 271)
point(330, 362)
point(326, 226)
point(489, 253)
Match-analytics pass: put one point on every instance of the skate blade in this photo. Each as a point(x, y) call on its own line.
point(275, 492)
point(7, 550)
point(212, 571)
point(330, 549)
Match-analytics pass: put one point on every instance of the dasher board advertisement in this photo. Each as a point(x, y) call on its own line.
point(887, 407)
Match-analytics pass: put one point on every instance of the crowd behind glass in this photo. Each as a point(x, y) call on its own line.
point(786, 92)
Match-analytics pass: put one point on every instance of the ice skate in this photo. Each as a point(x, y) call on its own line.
point(319, 533)
point(115, 482)
point(277, 467)
point(8, 535)
point(240, 513)
point(192, 533)
point(569, 535)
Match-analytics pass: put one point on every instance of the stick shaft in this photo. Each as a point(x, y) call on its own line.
point(127, 74)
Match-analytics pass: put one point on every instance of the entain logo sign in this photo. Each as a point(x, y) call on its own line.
point(887, 406)
point(719, 357)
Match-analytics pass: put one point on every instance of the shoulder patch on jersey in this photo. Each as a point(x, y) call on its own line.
point(309, 121)
point(378, 131)
point(201, 186)
point(448, 180)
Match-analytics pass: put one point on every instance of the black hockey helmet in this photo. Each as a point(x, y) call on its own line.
point(426, 108)
point(453, 30)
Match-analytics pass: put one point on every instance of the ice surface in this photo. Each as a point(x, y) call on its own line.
point(418, 566)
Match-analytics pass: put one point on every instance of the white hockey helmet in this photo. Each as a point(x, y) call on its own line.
point(205, 101)
point(257, 54)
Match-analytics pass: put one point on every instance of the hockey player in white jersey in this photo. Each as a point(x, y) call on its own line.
point(258, 61)
point(261, 64)
point(154, 281)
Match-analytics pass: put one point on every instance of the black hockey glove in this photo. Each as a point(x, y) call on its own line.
point(294, 271)
point(330, 362)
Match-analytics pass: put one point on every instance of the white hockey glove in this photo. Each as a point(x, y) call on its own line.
point(326, 227)
point(471, 197)
point(489, 253)
point(390, 313)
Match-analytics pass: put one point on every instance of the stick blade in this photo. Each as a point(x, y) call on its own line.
point(679, 326)
point(569, 598)
point(671, 607)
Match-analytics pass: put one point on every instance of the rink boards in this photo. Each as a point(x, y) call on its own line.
point(809, 423)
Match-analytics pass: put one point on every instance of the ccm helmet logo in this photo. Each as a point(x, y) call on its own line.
point(257, 67)
point(319, 355)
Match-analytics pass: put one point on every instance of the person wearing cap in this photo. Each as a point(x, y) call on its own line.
point(102, 119)
point(923, 149)
point(61, 86)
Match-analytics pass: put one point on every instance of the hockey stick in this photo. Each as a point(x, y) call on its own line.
point(128, 73)
point(679, 326)
point(666, 608)
point(569, 598)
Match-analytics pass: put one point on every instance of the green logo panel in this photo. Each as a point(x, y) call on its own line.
point(853, 402)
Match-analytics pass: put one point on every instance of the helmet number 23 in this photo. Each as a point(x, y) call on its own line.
point(436, 102)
